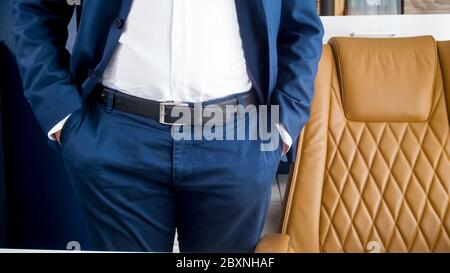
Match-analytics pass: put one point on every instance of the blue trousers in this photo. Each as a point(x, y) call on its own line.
point(137, 185)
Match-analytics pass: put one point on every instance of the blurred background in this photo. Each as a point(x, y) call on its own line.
point(382, 7)
point(38, 209)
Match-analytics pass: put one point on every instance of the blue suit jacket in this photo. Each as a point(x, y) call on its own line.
point(282, 42)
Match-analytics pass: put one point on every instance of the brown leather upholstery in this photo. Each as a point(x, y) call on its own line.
point(383, 83)
point(276, 243)
point(373, 181)
point(444, 56)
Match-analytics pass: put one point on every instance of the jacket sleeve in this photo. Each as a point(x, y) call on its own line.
point(299, 51)
point(40, 30)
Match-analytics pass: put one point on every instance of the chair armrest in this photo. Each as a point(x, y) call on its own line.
point(275, 243)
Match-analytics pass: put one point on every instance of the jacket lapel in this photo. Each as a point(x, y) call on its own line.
point(254, 34)
point(111, 43)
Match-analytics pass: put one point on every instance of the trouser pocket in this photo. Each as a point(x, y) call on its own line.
point(72, 125)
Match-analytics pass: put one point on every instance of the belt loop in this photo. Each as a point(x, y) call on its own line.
point(109, 100)
point(240, 104)
point(238, 100)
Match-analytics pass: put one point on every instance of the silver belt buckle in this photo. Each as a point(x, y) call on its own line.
point(162, 112)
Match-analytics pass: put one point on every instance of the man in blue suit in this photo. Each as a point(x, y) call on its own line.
point(105, 107)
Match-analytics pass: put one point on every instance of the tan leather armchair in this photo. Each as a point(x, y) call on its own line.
point(373, 168)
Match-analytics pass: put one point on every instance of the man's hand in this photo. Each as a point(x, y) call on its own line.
point(57, 136)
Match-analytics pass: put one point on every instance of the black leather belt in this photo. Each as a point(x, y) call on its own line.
point(162, 111)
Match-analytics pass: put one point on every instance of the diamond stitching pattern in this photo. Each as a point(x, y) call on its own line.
point(386, 182)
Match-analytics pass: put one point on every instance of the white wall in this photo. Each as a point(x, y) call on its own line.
point(437, 25)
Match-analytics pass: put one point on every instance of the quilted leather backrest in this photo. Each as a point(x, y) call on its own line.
point(364, 186)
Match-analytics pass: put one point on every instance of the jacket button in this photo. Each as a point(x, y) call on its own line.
point(118, 23)
point(93, 73)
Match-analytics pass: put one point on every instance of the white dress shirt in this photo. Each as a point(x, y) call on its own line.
point(181, 51)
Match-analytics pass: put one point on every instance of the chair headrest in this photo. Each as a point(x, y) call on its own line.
point(386, 80)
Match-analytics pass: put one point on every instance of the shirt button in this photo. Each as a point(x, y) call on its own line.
point(118, 23)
